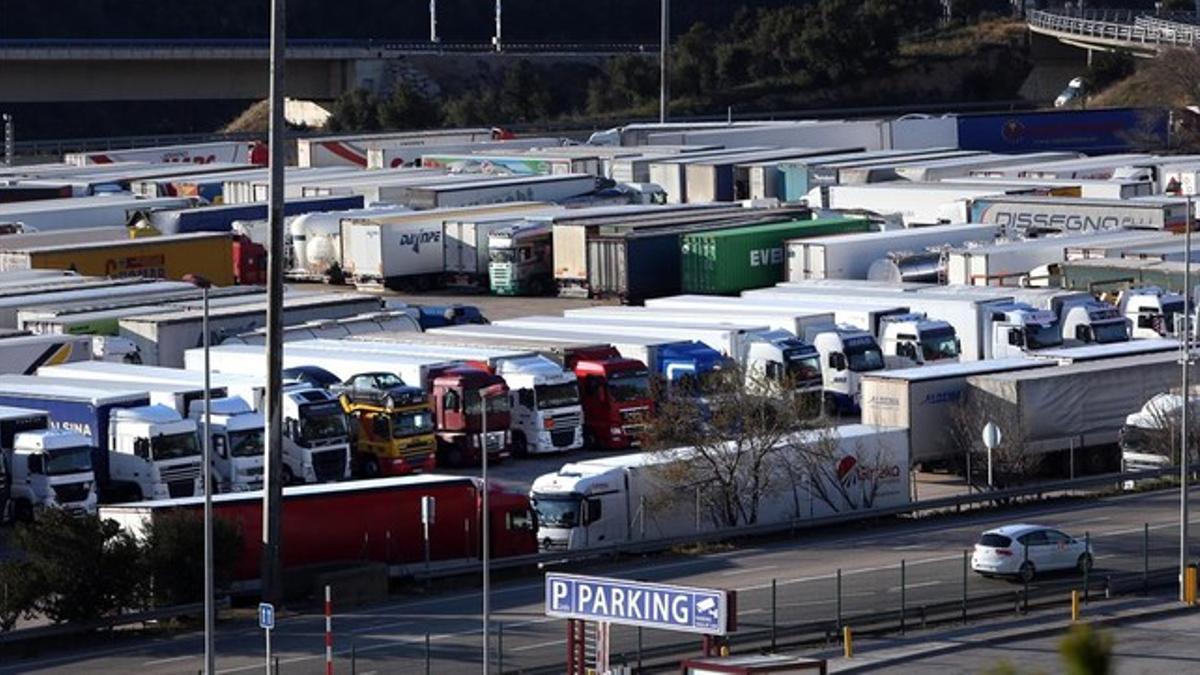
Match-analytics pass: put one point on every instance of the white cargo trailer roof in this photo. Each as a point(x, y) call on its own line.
point(961, 369)
point(28, 385)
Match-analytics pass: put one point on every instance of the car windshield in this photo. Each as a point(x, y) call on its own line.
point(557, 511)
point(556, 395)
point(939, 344)
point(994, 540)
point(496, 404)
point(248, 443)
point(1106, 333)
point(1042, 336)
point(387, 381)
point(62, 461)
point(864, 358)
point(411, 423)
point(318, 426)
point(629, 386)
point(174, 446)
point(502, 255)
point(803, 367)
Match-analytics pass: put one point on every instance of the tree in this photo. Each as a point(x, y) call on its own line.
point(1011, 463)
point(83, 568)
point(407, 109)
point(1109, 67)
point(524, 95)
point(471, 109)
point(627, 82)
point(749, 447)
point(354, 110)
point(17, 593)
point(1086, 651)
point(173, 551)
point(693, 64)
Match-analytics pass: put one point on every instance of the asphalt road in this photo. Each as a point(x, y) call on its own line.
point(390, 637)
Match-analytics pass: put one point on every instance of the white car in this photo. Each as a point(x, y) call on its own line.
point(1023, 551)
point(1073, 91)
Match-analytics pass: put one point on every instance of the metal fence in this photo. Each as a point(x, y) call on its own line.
point(1114, 27)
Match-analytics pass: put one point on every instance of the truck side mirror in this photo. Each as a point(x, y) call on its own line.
point(36, 464)
point(837, 361)
point(1014, 338)
point(907, 350)
point(379, 427)
point(141, 448)
point(1083, 333)
point(774, 371)
point(219, 447)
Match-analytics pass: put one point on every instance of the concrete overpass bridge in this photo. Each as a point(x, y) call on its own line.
point(1140, 32)
point(34, 71)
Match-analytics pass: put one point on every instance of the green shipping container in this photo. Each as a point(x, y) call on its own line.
point(733, 260)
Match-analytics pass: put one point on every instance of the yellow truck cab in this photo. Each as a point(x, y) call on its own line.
point(393, 440)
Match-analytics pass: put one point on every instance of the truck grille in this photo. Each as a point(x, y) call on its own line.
point(70, 492)
point(329, 465)
point(501, 275)
point(181, 488)
point(563, 432)
point(180, 473)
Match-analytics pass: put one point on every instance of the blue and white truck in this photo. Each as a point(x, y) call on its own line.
point(41, 468)
point(139, 451)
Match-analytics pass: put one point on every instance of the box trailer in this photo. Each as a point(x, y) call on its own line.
point(351, 150)
point(221, 218)
point(851, 256)
point(407, 248)
point(368, 520)
point(925, 402)
point(914, 204)
point(1020, 215)
point(80, 212)
point(162, 338)
point(393, 155)
point(1072, 412)
point(1096, 131)
point(20, 298)
point(734, 259)
point(512, 165)
point(715, 179)
point(498, 190)
point(23, 355)
point(669, 172)
point(465, 254)
point(232, 152)
point(207, 254)
point(957, 167)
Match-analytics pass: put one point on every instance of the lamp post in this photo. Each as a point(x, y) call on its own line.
point(664, 46)
point(485, 519)
point(210, 618)
point(1185, 357)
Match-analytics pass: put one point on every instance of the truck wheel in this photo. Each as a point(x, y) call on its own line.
point(520, 447)
point(589, 440)
point(23, 511)
point(454, 456)
point(289, 478)
point(828, 406)
point(370, 467)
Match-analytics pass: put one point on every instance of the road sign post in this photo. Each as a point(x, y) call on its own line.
point(266, 621)
point(428, 515)
point(991, 441)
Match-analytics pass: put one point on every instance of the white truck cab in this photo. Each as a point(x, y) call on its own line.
point(1152, 311)
point(52, 468)
point(156, 449)
point(314, 427)
point(913, 339)
point(546, 412)
point(846, 352)
point(237, 443)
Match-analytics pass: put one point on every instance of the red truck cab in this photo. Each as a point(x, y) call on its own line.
point(514, 521)
point(615, 394)
point(457, 395)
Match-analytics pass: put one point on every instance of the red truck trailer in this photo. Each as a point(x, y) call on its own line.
point(375, 520)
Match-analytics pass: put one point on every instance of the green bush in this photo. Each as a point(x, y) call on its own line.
point(173, 552)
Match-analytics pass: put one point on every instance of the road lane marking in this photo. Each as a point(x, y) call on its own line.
point(922, 584)
point(907, 547)
point(747, 570)
point(537, 645)
point(173, 659)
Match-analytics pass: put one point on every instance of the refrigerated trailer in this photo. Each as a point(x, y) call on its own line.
point(554, 188)
point(370, 520)
point(1022, 215)
point(957, 167)
point(851, 256)
point(714, 179)
point(78, 212)
point(351, 150)
point(233, 152)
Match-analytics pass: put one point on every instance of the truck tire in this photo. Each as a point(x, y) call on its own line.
point(22, 511)
point(589, 440)
point(370, 467)
point(520, 447)
point(289, 478)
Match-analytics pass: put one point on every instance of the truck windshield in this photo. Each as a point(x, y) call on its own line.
point(174, 446)
point(1137, 439)
point(939, 344)
point(862, 358)
point(803, 367)
point(1042, 337)
point(248, 443)
point(496, 404)
point(633, 385)
point(62, 461)
point(412, 423)
point(320, 426)
point(557, 511)
point(556, 395)
point(503, 255)
point(1107, 333)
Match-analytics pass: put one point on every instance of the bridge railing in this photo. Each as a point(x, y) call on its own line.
point(316, 44)
point(1113, 26)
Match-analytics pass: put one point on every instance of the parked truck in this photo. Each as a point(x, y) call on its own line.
point(614, 391)
point(520, 259)
point(682, 365)
point(502, 190)
point(45, 215)
point(377, 521)
point(42, 468)
point(1082, 319)
point(231, 152)
point(1018, 216)
point(207, 254)
point(140, 450)
point(236, 430)
point(631, 498)
point(414, 420)
point(544, 399)
point(851, 256)
point(987, 327)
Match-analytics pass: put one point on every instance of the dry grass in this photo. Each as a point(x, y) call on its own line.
point(965, 40)
point(256, 118)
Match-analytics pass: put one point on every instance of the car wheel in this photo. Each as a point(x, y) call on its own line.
point(1084, 564)
point(1026, 572)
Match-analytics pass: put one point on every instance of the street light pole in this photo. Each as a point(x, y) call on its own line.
point(210, 615)
point(1185, 340)
point(664, 45)
point(485, 518)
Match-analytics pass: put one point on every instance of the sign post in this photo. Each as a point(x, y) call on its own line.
point(991, 441)
point(428, 515)
point(687, 609)
point(266, 621)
